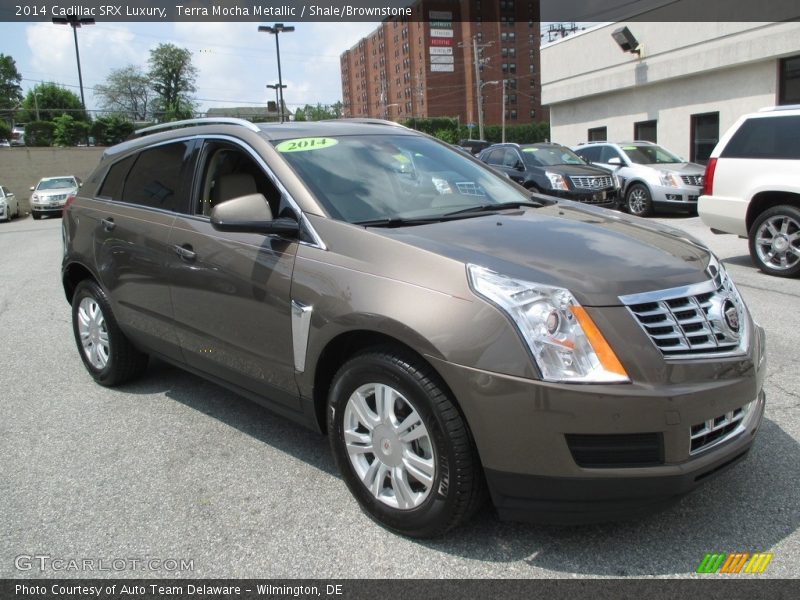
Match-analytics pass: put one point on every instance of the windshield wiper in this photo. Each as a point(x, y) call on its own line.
point(397, 221)
point(482, 208)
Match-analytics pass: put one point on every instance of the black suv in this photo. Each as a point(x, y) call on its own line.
point(555, 170)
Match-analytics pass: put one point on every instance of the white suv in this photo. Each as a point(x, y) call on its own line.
point(752, 187)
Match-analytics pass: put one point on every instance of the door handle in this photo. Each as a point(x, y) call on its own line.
point(186, 252)
point(108, 224)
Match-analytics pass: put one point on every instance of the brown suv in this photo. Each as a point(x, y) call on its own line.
point(449, 330)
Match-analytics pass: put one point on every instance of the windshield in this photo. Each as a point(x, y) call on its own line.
point(373, 177)
point(548, 156)
point(650, 155)
point(55, 184)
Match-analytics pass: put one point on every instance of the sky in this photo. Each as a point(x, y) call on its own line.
point(234, 60)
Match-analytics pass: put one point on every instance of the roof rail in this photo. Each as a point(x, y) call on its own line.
point(781, 107)
point(365, 120)
point(194, 123)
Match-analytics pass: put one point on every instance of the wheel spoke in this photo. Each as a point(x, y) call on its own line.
point(358, 443)
point(402, 490)
point(365, 415)
point(785, 226)
point(411, 428)
point(771, 228)
point(83, 319)
point(375, 476)
point(384, 402)
point(422, 469)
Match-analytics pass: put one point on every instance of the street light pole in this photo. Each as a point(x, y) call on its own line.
point(480, 105)
point(277, 29)
point(503, 108)
point(36, 103)
point(74, 21)
point(276, 87)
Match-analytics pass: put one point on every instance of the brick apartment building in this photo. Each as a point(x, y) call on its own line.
point(423, 66)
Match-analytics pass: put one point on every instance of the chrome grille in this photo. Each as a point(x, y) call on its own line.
point(55, 197)
point(693, 321)
point(469, 188)
point(592, 182)
point(692, 180)
point(715, 431)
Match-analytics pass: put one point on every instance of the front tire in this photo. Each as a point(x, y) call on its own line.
point(638, 200)
point(106, 353)
point(402, 446)
point(36, 216)
point(774, 241)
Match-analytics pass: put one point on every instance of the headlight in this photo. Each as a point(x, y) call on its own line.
point(557, 182)
point(563, 339)
point(670, 180)
point(34, 197)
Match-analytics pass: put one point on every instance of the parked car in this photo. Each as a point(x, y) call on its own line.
point(4, 143)
point(447, 329)
point(475, 147)
point(51, 193)
point(653, 178)
point(752, 188)
point(555, 170)
point(18, 135)
point(9, 205)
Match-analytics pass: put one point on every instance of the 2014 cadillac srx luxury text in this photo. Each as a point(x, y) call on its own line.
point(450, 331)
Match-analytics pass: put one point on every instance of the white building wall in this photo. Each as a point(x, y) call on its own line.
point(685, 69)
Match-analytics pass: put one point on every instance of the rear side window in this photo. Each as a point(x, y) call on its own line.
point(589, 153)
point(155, 179)
point(112, 186)
point(767, 138)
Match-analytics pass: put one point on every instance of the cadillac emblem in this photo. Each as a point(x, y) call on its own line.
point(731, 315)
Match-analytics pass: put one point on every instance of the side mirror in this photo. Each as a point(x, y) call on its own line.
point(80, 185)
point(33, 188)
point(615, 160)
point(519, 166)
point(251, 214)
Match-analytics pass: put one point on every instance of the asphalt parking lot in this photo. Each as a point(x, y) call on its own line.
point(173, 467)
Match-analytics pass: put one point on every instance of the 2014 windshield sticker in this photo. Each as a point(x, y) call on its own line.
point(306, 144)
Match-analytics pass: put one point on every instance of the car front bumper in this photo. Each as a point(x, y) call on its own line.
point(673, 197)
point(48, 209)
point(525, 432)
point(604, 198)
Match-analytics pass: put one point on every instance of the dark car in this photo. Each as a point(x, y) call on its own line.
point(475, 147)
point(448, 330)
point(555, 170)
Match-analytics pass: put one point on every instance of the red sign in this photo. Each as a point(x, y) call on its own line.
point(441, 41)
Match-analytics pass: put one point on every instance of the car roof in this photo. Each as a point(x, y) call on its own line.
point(57, 177)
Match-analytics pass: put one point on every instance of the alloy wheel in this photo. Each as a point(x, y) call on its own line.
point(777, 242)
point(93, 332)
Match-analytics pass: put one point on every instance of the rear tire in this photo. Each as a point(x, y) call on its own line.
point(402, 446)
point(774, 241)
point(106, 353)
point(638, 200)
point(36, 216)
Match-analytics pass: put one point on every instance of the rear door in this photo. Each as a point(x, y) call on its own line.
point(231, 291)
point(135, 209)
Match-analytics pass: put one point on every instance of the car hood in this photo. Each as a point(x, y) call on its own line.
point(598, 255)
point(577, 170)
point(55, 192)
point(682, 168)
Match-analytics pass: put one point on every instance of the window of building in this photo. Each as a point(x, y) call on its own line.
point(597, 134)
point(705, 135)
point(789, 81)
point(155, 178)
point(645, 131)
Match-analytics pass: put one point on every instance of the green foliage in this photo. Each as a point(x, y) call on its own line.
point(53, 101)
point(172, 77)
point(127, 91)
point(449, 130)
point(10, 90)
point(5, 131)
point(319, 112)
point(39, 133)
point(110, 130)
point(69, 132)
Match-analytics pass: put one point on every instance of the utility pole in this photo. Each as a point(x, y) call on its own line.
point(74, 21)
point(503, 108)
point(478, 85)
point(277, 29)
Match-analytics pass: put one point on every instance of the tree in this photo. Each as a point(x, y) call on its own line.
point(127, 91)
point(39, 133)
point(319, 112)
point(52, 101)
point(10, 90)
point(111, 130)
point(172, 77)
point(69, 131)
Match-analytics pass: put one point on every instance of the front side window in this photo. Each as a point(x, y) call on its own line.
point(155, 180)
point(374, 177)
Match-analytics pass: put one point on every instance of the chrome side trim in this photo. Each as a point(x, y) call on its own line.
point(694, 289)
point(301, 327)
